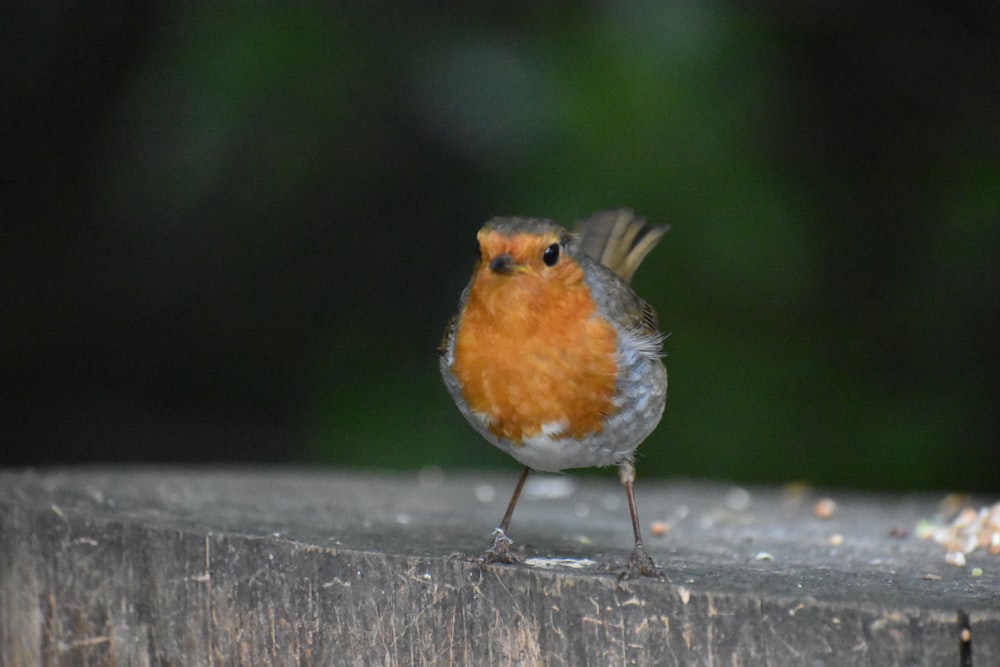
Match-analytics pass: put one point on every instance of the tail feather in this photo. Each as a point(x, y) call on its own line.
point(619, 239)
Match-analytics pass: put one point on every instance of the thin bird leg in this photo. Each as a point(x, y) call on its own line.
point(639, 563)
point(499, 551)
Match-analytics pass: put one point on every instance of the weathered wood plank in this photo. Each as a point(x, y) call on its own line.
point(147, 566)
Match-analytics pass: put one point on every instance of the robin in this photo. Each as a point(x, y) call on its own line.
point(553, 358)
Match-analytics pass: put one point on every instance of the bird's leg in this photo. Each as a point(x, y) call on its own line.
point(640, 562)
point(499, 551)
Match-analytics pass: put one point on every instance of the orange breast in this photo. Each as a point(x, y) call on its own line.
point(531, 352)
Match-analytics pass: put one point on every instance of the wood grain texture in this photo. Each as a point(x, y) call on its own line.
point(167, 566)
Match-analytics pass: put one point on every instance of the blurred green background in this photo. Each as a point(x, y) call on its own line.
point(238, 235)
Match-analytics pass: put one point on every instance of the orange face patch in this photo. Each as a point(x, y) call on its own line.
point(529, 349)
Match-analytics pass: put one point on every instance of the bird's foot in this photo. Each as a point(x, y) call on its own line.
point(640, 564)
point(499, 551)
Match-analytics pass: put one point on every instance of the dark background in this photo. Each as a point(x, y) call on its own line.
point(238, 235)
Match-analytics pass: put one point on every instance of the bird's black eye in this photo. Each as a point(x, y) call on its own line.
point(551, 255)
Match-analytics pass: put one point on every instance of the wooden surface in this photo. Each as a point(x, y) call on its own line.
point(151, 566)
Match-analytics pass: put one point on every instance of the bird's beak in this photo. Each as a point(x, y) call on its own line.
point(504, 264)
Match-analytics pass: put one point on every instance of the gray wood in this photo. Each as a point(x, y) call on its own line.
point(168, 566)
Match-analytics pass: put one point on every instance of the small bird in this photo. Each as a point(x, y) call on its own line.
point(553, 357)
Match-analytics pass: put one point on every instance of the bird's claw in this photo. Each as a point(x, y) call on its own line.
point(640, 564)
point(499, 551)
